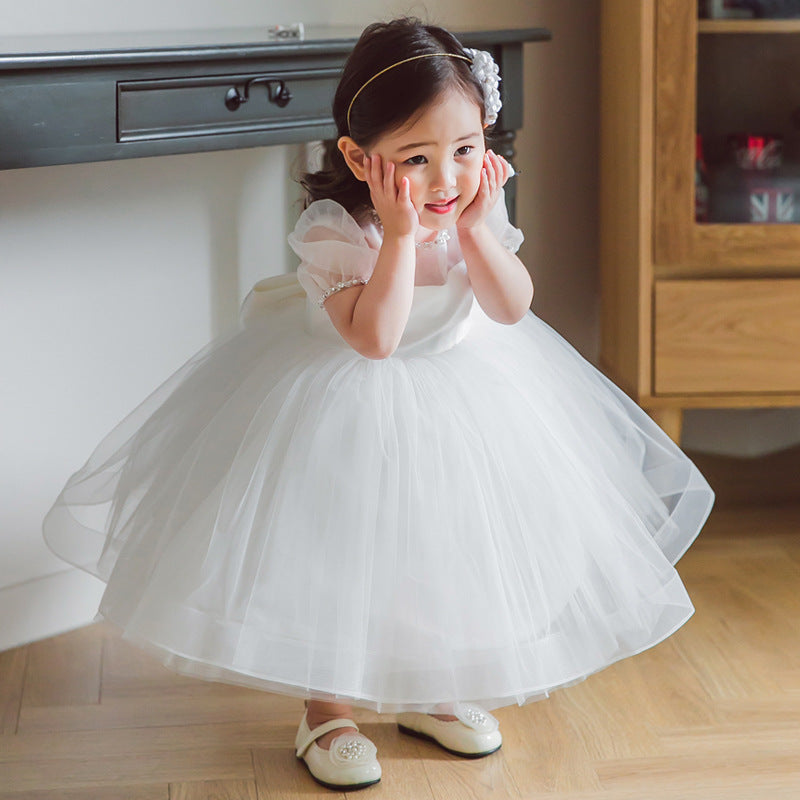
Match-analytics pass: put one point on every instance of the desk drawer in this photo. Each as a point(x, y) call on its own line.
point(727, 336)
point(196, 106)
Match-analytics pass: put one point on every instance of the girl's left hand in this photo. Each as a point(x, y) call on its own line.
point(495, 172)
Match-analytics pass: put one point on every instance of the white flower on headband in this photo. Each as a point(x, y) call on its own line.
point(487, 72)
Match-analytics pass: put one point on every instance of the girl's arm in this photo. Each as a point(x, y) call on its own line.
point(371, 317)
point(499, 279)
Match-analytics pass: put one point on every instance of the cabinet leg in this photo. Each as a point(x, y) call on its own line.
point(670, 419)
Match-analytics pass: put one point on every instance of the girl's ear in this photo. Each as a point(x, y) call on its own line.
point(353, 156)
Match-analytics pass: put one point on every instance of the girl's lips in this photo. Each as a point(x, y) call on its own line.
point(442, 208)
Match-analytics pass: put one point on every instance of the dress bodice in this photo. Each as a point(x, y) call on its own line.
point(440, 316)
point(338, 250)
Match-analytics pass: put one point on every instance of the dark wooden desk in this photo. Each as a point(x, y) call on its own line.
point(95, 98)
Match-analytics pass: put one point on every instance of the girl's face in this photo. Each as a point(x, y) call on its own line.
point(441, 154)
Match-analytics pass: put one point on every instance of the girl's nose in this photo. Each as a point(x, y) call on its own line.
point(443, 178)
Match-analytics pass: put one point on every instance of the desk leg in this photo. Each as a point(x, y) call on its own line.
point(502, 142)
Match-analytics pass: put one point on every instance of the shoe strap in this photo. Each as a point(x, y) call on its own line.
point(321, 730)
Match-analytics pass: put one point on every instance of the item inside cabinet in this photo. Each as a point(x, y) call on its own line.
point(747, 103)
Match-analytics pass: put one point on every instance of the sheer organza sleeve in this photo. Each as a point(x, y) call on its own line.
point(497, 220)
point(333, 250)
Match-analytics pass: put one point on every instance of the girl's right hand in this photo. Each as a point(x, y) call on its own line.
point(391, 202)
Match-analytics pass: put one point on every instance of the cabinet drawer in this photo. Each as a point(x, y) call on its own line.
point(196, 106)
point(727, 336)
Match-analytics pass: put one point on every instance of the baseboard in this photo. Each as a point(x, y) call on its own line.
point(744, 432)
point(46, 606)
point(769, 479)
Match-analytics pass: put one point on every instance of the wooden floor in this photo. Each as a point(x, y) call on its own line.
point(713, 712)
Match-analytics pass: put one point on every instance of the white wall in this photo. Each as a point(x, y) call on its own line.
point(111, 276)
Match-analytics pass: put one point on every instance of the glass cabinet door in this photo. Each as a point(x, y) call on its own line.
point(727, 122)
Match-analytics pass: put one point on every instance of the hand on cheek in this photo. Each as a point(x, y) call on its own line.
point(391, 197)
point(494, 173)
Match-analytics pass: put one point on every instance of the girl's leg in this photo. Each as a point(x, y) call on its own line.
point(443, 708)
point(320, 711)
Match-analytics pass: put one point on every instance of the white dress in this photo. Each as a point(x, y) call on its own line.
point(482, 516)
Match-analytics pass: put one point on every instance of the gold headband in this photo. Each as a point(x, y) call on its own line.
point(392, 66)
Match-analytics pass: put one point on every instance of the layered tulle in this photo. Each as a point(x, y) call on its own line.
point(482, 524)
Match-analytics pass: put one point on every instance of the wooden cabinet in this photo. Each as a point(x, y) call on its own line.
point(697, 313)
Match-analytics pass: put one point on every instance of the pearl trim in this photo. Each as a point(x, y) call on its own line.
point(337, 287)
point(441, 238)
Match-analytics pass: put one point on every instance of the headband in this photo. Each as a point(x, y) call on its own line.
point(487, 75)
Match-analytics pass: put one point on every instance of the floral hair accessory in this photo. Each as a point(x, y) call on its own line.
point(487, 73)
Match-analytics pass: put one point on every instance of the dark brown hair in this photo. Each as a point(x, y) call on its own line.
point(388, 102)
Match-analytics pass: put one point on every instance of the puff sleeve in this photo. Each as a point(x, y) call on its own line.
point(497, 220)
point(334, 251)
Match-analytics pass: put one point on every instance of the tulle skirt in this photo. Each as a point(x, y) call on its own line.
point(483, 524)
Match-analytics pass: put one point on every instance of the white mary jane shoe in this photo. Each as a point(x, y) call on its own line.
point(474, 734)
point(350, 763)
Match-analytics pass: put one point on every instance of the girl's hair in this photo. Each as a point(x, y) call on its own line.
point(388, 102)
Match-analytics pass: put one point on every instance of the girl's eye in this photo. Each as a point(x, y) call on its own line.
point(465, 150)
point(415, 160)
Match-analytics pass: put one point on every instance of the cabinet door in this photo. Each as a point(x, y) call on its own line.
point(724, 79)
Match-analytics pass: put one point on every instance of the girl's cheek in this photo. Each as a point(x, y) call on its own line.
point(474, 186)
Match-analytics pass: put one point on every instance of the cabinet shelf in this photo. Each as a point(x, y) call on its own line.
point(748, 26)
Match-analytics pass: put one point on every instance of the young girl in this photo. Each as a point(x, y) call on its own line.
point(391, 486)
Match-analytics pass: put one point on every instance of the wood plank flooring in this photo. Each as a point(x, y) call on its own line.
point(712, 712)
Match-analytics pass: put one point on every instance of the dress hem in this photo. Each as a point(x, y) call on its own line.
point(208, 671)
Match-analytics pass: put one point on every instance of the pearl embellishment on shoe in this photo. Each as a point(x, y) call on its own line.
point(474, 715)
point(351, 750)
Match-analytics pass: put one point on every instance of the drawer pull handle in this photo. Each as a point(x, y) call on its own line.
point(277, 92)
